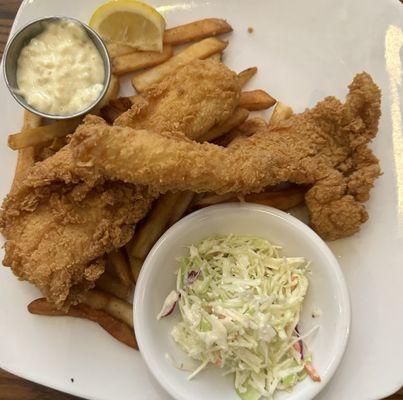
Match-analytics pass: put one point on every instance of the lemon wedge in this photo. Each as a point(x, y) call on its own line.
point(129, 22)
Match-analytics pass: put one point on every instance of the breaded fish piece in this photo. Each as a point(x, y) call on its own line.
point(62, 219)
point(325, 147)
point(56, 242)
point(202, 94)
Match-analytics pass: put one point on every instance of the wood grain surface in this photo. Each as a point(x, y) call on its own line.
point(12, 387)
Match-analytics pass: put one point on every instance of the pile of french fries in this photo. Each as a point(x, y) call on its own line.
point(108, 303)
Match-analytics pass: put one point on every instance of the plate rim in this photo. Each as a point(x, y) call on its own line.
point(36, 379)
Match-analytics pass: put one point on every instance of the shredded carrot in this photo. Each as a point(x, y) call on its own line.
point(217, 362)
point(312, 372)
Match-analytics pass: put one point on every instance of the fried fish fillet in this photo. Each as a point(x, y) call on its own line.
point(201, 95)
point(325, 147)
point(62, 219)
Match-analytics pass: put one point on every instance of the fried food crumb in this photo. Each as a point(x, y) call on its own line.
point(250, 29)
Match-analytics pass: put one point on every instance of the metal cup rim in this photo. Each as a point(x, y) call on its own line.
point(101, 48)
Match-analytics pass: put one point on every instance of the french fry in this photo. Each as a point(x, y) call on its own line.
point(112, 305)
point(199, 50)
point(157, 220)
point(284, 199)
point(120, 267)
point(255, 100)
point(139, 60)
point(245, 76)
point(136, 263)
point(181, 206)
point(42, 134)
point(114, 286)
point(238, 116)
point(211, 199)
point(167, 209)
point(30, 120)
point(148, 233)
point(281, 112)
point(196, 30)
point(26, 156)
point(118, 329)
point(118, 49)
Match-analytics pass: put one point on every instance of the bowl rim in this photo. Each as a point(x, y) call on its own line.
point(101, 49)
point(141, 289)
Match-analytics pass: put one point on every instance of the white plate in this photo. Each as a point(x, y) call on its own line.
point(327, 292)
point(305, 50)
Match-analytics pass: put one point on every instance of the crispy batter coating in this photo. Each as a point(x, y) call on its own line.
point(325, 147)
point(61, 219)
point(201, 95)
point(56, 242)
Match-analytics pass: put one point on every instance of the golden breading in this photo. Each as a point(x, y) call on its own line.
point(312, 148)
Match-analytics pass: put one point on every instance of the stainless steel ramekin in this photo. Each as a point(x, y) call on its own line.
point(22, 37)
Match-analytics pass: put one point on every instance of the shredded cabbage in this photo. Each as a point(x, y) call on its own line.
point(240, 303)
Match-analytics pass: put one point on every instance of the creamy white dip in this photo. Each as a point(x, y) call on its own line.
point(60, 71)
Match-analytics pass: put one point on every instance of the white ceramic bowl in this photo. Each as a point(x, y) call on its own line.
point(327, 291)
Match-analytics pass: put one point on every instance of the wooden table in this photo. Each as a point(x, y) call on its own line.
point(12, 387)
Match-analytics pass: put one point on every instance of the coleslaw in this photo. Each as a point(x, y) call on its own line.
point(240, 302)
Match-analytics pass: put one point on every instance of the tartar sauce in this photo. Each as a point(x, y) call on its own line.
point(60, 71)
